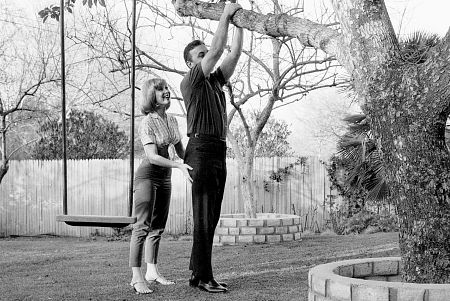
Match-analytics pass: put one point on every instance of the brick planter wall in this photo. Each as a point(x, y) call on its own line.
point(235, 229)
point(369, 279)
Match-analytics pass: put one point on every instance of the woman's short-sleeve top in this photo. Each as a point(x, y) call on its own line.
point(154, 129)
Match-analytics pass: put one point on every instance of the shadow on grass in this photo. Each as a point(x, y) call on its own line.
point(53, 268)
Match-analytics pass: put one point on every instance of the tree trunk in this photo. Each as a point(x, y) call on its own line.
point(245, 177)
point(3, 170)
point(418, 166)
point(247, 190)
point(420, 180)
point(4, 159)
point(411, 135)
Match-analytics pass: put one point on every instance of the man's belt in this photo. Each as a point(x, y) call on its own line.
point(206, 136)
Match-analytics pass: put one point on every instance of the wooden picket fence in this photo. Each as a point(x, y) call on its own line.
point(31, 194)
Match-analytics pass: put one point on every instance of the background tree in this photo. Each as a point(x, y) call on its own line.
point(272, 143)
point(89, 136)
point(27, 74)
point(407, 105)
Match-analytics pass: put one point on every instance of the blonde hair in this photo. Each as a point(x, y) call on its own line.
point(148, 102)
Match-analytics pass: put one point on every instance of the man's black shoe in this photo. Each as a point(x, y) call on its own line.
point(193, 281)
point(213, 281)
point(210, 287)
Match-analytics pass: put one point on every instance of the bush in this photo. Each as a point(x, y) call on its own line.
point(367, 222)
point(89, 136)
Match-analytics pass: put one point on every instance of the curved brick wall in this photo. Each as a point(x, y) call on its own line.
point(369, 279)
point(235, 229)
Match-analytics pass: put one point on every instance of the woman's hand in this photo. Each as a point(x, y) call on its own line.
point(185, 170)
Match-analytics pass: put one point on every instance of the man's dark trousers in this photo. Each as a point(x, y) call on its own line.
point(207, 157)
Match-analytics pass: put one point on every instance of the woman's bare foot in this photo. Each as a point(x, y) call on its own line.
point(159, 279)
point(153, 275)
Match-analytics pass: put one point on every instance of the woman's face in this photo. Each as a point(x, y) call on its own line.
point(162, 94)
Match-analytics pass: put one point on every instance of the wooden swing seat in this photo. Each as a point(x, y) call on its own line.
point(96, 220)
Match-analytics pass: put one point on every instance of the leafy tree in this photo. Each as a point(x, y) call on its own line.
point(272, 142)
point(53, 11)
point(28, 70)
point(89, 136)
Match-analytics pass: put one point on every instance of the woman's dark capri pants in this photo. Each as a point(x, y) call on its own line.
point(152, 190)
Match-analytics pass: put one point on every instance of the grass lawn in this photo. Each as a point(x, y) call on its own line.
point(54, 268)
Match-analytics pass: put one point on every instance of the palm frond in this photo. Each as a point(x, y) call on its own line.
point(415, 46)
point(379, 192)
point(355, 118)
point(362, 160)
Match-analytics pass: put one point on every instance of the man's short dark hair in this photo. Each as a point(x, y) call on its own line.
point(189, 47)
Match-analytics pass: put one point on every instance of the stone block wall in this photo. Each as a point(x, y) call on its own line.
point(369, 279)
point(266, 228)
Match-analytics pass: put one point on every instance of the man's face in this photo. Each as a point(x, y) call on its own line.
point(197, 54)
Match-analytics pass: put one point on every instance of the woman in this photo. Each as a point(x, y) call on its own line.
point(153, 182)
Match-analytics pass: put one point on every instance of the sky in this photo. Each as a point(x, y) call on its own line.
point(305, 116)
point(430, 15)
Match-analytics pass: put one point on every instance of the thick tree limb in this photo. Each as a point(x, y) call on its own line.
point(281, 25)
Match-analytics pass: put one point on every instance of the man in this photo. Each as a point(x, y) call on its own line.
point(206, 150)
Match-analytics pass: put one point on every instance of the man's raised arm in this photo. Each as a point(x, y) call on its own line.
point(229, 63)
point(220, 39)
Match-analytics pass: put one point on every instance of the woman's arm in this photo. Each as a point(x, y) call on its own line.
point(152, 155)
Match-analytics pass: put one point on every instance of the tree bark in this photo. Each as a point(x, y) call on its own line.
point(309, 33)
point(407, 105)
point(247, 190)
point(410, 126)
point(3, 170)
point(4, 159)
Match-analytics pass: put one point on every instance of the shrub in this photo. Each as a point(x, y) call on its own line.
point(366, 221)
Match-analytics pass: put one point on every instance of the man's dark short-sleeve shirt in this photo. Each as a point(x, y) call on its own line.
point(205, 102)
